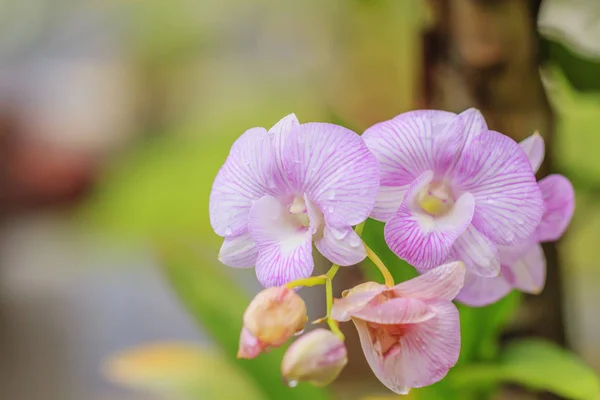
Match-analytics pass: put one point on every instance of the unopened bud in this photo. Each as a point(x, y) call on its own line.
point(317, 357)
point(273, 316)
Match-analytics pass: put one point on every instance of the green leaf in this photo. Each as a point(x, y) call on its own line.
point(535, 364)
point(218, 305)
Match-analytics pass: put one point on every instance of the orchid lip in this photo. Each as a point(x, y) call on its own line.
point(436, 199)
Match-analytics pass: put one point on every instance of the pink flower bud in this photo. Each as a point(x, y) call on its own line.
point(317, 357)
point(273, 316)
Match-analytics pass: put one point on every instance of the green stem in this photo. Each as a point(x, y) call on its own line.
point(388, 279)
point(307, 282)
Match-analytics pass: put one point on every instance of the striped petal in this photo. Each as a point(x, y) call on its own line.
point(534, 147)
point(341, 246)
point(443, 282)
point(333, 166)
point(496, 171)
point(426, 350)
point(479, 291)
point(421, 239)
point(388, 202)
point(528, 274)
point(238, 251)
point(559, 203)
point(479, 254)
point(401, 310)
point(284, 248)
point(246, 176)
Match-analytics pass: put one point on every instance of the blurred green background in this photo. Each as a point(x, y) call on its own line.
point(115, 116)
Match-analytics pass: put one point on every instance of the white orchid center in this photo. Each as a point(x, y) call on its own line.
point(436, 199)
point(299, 212)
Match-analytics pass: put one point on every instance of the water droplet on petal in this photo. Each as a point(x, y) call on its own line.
point(228, 231)
point(330, 209)
point(299, 333)
point(331, 195)
point(292, 384)
point(301, 138)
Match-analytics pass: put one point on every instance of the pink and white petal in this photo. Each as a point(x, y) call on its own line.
point(333, 166)
point(425, 353)
point(285, 125)
point(420, 239)
point(559, 202)
point(400, 310)
point(343, 308)
point(534, 147)
point(496, 171)
point(341, 246)
point(238, 251)
point(480, 291)
point(443, 282)
point(388, 202)
point(284, 248)
point(315, 216)
point(479, 254)
point(246, 176)
point(414, 142)
point(473, 123)
point(528, 274)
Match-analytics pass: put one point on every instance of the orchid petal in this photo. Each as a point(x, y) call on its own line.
point(559, 202)
point(357, 298)
point(388, 202)
point(414, 142)
point(478, 253)
point(426, 351)
point(246, 176)
point(528, 274)
point(443, 282)
point(400, 310)
point(496, 171)
point(284, 248)
point(341, 246)
point(333, 166)
point(423, 240)
point(534, 147)
point(480, 291)
point(238, 251)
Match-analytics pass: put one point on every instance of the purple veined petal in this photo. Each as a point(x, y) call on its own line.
point(285, 125)
point(333, 166)
point(401, 310)
point(343, 308)
point(421, 239)
point(480, 291)
point(284, 247)
point(425, 354)
point(341, 246)
point(280, 132)
point(478, 253)
point(535, 149)
point(528, 274)
point(443, 282)
point(414, 142)
point(238, 251)
point(388, 202)
point(246, 176)
point(559, 202)
point(496, 171)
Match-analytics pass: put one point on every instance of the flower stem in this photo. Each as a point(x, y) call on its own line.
point(307, 282)
point(388, 279)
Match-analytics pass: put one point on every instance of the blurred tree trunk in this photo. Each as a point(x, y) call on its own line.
point(485, 54)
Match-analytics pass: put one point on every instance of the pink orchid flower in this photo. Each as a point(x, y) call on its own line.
point(410, 333)
point(451, 189)
point(283, 189)
point(524, 264)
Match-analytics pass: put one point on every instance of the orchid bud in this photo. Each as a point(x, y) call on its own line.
point(317, 357)
point(273, 316)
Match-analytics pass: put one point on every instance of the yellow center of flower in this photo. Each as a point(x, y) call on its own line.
point(299, 211)
point(436, 199)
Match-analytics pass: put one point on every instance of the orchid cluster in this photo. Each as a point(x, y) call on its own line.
point(460, 203)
